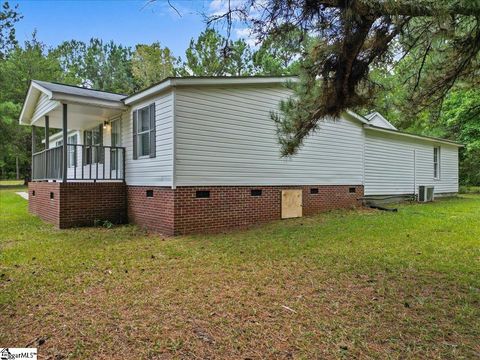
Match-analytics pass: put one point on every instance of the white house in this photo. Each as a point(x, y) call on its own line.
point(201, 154)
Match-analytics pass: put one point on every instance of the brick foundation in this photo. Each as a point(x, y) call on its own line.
point(77, 204)
point(178, 211)
point(152, 213)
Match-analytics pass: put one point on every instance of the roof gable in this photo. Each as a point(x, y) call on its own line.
point(376, 119)
point(44, 97)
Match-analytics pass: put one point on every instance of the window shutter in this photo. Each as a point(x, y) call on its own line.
point(135, 156)
point(153, 151)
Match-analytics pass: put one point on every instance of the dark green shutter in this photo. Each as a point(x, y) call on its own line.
point(153, 151)
point(135, 155)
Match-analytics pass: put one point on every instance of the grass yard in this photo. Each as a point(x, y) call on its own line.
point(347, 284)
point(470, 189)
point(4, 183)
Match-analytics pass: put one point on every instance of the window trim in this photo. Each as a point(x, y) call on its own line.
point(114, 153)
point(436, 162)
point(152, 153)
point(71, 150)
point(142, 132)
point(92, 156)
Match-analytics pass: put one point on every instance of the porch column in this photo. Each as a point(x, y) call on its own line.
point(47, 132)
point(47, 143)
point(34, 141)
point(64, 149)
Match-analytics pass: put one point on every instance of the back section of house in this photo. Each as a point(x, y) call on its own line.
point(399, 165)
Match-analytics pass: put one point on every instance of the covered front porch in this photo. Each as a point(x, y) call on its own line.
point(78, 172)
point(87, 147)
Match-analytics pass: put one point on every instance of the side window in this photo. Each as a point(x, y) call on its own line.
point(116, 141)
point(436, 162)
point(94, 138)
point(72, 140)
point(144, 132)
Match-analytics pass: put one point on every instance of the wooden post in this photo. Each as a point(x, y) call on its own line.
point(34, 141)
point(47, 132)
point(47, 143)
point(64, 149)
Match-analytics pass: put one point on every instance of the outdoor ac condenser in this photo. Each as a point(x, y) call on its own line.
point(425, 193)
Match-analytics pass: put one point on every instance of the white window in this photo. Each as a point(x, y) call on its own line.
point(116, 141)
point(71, 140)
point(71, 150)
point(143, 132)
point(93, 137)
point(436, 162)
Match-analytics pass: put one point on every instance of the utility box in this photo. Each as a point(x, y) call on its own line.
point(425, 193)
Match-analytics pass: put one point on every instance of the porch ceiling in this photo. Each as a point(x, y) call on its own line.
point(79, 116)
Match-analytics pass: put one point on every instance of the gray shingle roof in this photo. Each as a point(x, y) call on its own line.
point(79, 91)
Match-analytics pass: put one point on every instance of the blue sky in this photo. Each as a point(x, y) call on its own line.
point(128, 22)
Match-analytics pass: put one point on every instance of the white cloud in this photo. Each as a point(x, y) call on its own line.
point(246, 34)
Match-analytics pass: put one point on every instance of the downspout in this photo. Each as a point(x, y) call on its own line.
point(415, 174)
point(363, 161)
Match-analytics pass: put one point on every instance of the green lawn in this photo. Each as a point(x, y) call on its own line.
point(11, 183)
point(347, 284)
point(470, 189)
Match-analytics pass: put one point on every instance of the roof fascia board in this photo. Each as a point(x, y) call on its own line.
point(413, 136)
point(233, 81)
point(25, 106)
point(85, 100)
point(148, 92)
point(357, 117)
point(42, 89)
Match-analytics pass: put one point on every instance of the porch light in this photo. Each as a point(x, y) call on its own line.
point(105, 124)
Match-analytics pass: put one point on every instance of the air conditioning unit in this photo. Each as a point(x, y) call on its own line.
point(425, 193)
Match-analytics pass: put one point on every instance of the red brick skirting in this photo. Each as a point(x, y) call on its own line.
point(178, 211)
point(77, 204)
point(152, 213)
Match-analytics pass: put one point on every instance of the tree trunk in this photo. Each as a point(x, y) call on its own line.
point(17, 167)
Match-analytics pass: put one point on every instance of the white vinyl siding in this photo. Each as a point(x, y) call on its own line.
point(225, 136)
point(396, 165)
point(151, 171)
point(44, 105)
